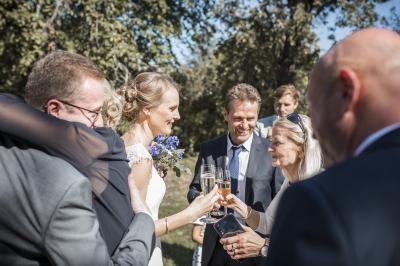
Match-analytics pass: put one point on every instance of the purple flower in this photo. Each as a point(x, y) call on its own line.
point(154, 151)
point(165, 153)
point(160, 139)
point(172, 142)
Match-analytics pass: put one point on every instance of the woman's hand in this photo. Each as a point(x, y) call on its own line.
point(244, 245)
point(239, 206)
point(203, 204)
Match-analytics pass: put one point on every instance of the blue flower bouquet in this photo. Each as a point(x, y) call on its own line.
point(166, 155)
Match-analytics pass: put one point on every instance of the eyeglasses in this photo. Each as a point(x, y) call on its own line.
point(296, 119)
point(94, 114)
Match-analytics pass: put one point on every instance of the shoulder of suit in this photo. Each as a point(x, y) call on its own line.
point(260, 140)
point(214, 141)
point(267, 119)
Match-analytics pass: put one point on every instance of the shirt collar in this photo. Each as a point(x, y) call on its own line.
point(246, 144)
point(375, 136)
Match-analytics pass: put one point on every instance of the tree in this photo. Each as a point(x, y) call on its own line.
point(273, 43)
point(123, 37)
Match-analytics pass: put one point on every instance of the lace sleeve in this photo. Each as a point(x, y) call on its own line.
point(73, 142)
point(137, 153)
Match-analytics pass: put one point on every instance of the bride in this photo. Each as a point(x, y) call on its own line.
point(151, 107)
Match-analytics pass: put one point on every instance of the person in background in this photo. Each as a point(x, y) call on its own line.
point(198, 236)
point(286, 101)
point(298, 154)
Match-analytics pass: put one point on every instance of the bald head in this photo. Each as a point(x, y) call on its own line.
point(357, 79)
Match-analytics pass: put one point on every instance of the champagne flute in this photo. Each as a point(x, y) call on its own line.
point(218, 213)
point(224, 185)
point(207, 183)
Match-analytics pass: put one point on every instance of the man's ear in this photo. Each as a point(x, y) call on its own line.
point(53, 107)
point(350, 88)
point(296, 105)
point(226, 114)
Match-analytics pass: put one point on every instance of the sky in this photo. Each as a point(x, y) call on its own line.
point(340, 33)
point(183, 53)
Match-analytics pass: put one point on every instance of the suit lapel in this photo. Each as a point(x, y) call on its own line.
point(220, 153)
point(255, 152)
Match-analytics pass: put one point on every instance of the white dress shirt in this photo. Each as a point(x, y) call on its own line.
point(243, 163)
point(374, 137)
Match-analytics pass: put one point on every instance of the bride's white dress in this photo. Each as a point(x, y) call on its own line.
point(155, 193)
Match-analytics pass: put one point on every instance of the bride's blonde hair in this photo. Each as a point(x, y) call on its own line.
point(145, 90)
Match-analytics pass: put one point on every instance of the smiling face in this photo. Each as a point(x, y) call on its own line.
point(284, 151)
point(285, 105)
point(241, 117)
point(162, 116)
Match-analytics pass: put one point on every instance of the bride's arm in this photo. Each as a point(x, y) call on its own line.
point(196, 209)
point(141, 172)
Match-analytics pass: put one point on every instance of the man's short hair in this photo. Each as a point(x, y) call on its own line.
point(287, 89)
point(57, 75)
point(242, 92)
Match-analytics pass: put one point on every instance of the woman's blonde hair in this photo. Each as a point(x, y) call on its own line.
point(310, 150)
point(145, 90)
point(112, 108)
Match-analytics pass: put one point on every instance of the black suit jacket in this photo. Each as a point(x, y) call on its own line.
point(262, 181)
point(348, 215)
point(100, 155)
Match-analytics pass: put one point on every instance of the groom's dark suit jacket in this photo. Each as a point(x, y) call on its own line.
point(348, 215)
point(99, 154)
point(262, 183)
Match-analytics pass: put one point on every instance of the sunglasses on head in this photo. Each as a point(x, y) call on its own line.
point(296, 119)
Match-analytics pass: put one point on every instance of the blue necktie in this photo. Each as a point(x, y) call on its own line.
point(234, 168)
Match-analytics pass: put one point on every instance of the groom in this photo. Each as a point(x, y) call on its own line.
point(254, 180)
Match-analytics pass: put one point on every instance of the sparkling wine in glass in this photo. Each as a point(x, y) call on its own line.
point(224, 185)
point(207, 183)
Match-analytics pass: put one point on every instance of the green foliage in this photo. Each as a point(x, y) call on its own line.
point(177, 246)
point(123, 37)
point(265, 43)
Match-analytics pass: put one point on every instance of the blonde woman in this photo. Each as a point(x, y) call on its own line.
point(298, 154)
point(151, 107)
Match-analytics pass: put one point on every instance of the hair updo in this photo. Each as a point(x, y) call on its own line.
point(144, 91)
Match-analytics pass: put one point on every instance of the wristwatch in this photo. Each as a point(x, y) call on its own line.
point(264, 249)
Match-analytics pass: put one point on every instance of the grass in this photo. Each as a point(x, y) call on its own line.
point(177, 246)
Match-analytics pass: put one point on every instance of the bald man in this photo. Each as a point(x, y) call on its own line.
point(349, 214)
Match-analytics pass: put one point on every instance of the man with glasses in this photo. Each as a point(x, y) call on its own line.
point(71, 88)
point(68, 88)
point(349, 214)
